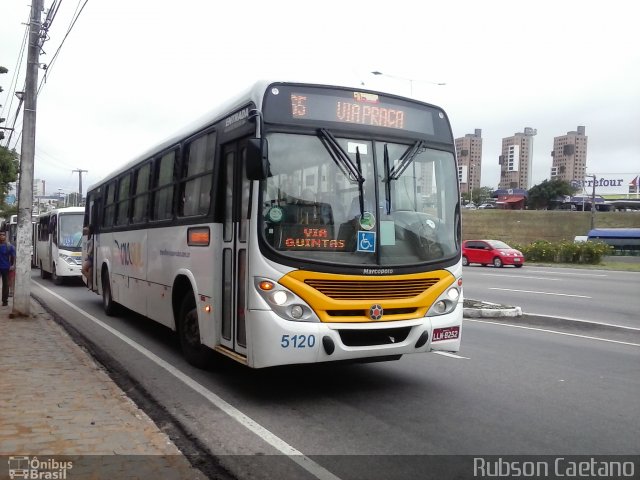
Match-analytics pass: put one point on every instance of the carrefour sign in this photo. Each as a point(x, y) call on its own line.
point(608, 183)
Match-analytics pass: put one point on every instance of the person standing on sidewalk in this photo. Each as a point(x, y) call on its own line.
point(7, 264)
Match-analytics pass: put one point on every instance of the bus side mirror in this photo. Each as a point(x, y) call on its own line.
point(257, 159)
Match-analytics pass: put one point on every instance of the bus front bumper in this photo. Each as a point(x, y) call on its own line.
point(276, 341)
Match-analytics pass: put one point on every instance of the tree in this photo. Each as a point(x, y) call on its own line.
point(539, 196)
point(9, 168)
point(480, 195)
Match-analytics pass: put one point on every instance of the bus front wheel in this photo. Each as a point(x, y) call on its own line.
point(55, 278)
point(194, 352)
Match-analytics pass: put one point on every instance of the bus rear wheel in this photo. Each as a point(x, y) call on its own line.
point(110, 307)
point(194, 352)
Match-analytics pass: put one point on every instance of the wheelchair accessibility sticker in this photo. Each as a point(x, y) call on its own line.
point(366, 241)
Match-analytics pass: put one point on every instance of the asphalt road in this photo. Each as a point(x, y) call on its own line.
point(510, 391)
point(595, 295)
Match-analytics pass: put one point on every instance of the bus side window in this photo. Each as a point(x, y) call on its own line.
point(163, 195)
point(141, 194)
point(53, 229)
point(110, 206)
point(122, 210)
point(197, 175)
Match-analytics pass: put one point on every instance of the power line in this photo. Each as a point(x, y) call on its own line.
point(16, 72)
point(76, 15)
point(14, 81)
point(43, 35)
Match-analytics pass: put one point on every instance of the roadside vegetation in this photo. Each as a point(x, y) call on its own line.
point(9, 168)
point(575, 254)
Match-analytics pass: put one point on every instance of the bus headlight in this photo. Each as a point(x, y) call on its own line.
point(69, 260)
point(284, 302)
point(440, 307)
point(297, 311)
point(279, 297)
point(446, 302)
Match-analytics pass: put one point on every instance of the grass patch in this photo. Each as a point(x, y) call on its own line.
point(604, 265)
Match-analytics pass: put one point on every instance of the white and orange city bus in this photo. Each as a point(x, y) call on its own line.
point(299, 223)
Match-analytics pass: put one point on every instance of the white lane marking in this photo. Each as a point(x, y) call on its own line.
point(546, 279)
point(539, 293)
point(298, 457)
point(552, 331)
point(583, 321)
point(553, 272)
point(452, 355)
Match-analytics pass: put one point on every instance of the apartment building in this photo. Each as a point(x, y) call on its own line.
point(469, 154)
point(569, 156)
point(516, 160)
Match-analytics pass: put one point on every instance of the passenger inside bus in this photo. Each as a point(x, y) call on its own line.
point(87, 265)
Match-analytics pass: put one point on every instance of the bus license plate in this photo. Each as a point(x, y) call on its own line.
point(449, 333)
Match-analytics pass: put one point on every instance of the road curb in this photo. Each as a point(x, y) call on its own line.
point(481, 309)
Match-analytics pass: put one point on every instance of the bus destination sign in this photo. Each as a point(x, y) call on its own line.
point(365, 109)
point(360, 108)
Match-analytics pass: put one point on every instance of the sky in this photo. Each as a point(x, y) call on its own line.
point(128, 74)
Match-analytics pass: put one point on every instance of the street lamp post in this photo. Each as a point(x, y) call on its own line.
point(593, 203)
point(472, 169)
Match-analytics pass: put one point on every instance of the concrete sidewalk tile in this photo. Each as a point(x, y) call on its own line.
point(55, 400)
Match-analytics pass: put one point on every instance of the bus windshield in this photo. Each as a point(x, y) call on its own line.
point(355, 201)
point(70, 229)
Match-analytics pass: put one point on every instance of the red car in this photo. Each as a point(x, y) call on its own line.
point(492, 252)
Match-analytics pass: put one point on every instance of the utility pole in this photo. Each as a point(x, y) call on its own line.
point(80, 171)
point(593, 203)
point(22, 290)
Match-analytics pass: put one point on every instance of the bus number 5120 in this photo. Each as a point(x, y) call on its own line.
point(298, 341)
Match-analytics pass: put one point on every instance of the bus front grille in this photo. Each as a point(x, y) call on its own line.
point(364, 338)
point(364, 313)
point(367, 289)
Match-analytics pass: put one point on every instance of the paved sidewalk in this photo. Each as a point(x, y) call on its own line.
point(55, 401)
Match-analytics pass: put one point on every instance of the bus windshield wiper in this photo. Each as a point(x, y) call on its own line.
point(387, 182)
point(360, 182)
point(340, 157)
point(407, 157)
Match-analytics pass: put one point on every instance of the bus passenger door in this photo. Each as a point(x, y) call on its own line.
point(95, 201)
point(235, 190)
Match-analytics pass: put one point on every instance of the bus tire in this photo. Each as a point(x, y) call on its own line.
point(44, 275)
point(194, 352)
point(54, 276)
point(110, 307)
